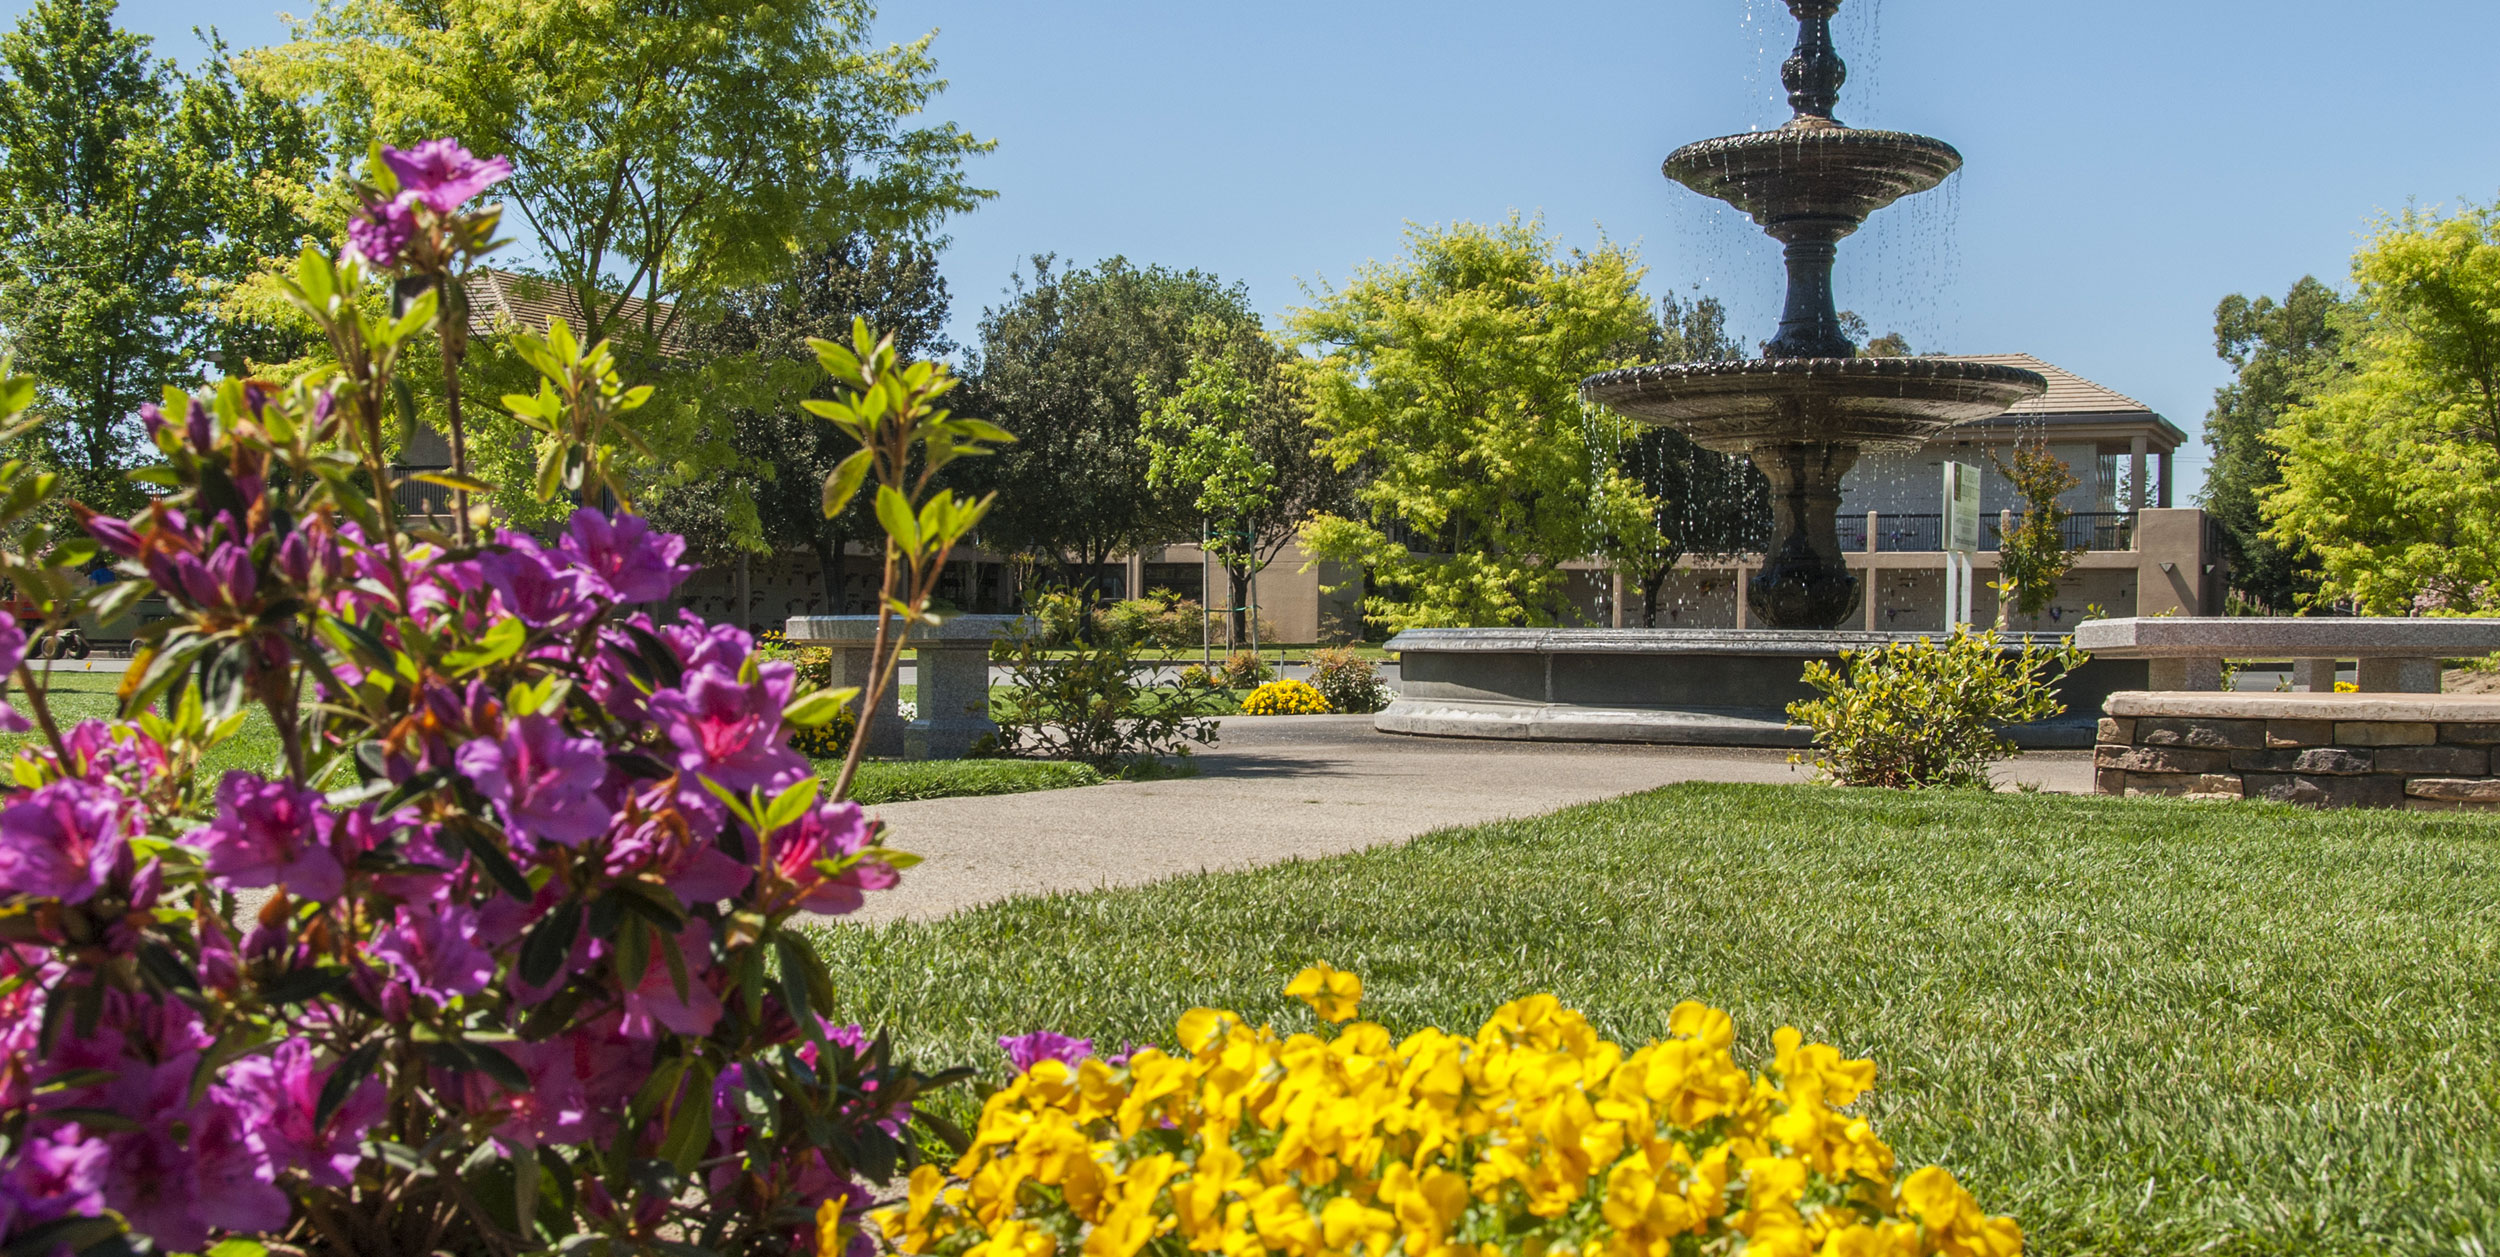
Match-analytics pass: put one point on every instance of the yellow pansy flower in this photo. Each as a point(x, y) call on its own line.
point(1331, 992)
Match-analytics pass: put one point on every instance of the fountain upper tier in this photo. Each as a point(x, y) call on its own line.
point(1813, 179)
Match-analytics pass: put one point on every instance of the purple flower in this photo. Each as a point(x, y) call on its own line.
point(830, 832)
point(378, 232)
point(542, 781)
point(64, 841)
point(433, 947)
point(729, 731)
point(655, 999)
point(269, 833)
point(55, 1175)
point(634, 563)
point(277, 1095)
point(444, 175)
point(541, 594)
point(1024, 1051)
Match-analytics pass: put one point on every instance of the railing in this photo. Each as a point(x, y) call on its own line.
point(1923, 532)
point(416, 497)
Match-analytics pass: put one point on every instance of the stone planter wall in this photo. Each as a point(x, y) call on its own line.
point(2427, 752)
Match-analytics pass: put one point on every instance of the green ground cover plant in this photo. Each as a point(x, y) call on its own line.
point(2139, 1026)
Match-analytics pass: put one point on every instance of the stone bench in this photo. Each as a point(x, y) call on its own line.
point(952, 672)
point(2395, 656)
point(2426, 752)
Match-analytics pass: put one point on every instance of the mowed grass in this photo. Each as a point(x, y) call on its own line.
point(76, 696)
point(2140, 1026)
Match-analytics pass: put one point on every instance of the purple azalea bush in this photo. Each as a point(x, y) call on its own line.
point(504, 954)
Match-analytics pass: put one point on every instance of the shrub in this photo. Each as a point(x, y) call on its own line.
point(1244, 669)
point(1532, 1135)
point(1919, 713)
point(527, 974)
point(1284, 698)
point(1347, 680)
point(1083, 701)
point(1162, 618)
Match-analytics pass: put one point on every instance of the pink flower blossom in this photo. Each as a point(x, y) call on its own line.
point(543, 781)
point(270, 833)
point(444, 175)
point(64, 841)
point(655, 1001)
point(829, 833)
point(378, 232)
point(729, 732)
point(630, 562)
point(278, 1093)
point(1024, 1051)
point(56, 1175)
point(534, 589)
point(432, 950)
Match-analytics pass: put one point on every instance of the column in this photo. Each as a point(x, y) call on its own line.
point(2137, 497)
point(2163, 500)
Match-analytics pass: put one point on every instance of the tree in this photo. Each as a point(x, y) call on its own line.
point(1888, 345)
point(1701, 502)
point(663, 157)
point(759, 358)
point(1234, 437)
point(131, 199)
point(2282, 351)
point(2035, 556)
point(1072, 363)
point(2391, 471)
point(1453, 377)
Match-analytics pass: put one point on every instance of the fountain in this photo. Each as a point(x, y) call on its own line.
point(1805, 409)
point(1802, 412)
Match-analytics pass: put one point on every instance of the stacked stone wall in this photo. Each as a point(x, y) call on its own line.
point(2424, 765)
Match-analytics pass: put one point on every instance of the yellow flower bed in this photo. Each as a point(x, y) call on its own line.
point(1284, 698)
point(1534, 1138)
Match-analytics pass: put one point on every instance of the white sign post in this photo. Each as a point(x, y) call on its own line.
point(1961, 541)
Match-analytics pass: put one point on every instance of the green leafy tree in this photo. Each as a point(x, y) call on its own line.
point(1701, 502)
point(1452, 377)
point(1234, 438)
point(2035, 556)
point(1073, 362)
point(131, 198)
point(2281, 351)
point(663, 157)
point(759, 360)
point(2391, 472)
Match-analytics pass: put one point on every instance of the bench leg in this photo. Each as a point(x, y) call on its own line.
point(2184, 674)
point(2399, 676)
point(2314, 676)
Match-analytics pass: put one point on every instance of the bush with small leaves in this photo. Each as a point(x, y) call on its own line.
point(1348, 680)
point(1927, 713)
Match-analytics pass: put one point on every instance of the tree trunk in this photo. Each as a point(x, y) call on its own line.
point(1240, 578)
point(1651, 584)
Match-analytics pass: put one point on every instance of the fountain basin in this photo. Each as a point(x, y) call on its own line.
point(1877, 403)
point(1695, 687)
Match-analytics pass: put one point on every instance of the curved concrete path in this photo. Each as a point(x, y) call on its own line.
point(1276, 787)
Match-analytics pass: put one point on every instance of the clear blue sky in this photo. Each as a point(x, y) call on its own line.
point(2129, 162)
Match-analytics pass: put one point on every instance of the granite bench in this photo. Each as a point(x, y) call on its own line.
point(2395, 656)
point(952, 673)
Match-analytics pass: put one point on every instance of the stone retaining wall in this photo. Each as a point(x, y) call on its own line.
point(2427, 752)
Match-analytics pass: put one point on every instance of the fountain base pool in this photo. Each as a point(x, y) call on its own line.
point(1694, 687)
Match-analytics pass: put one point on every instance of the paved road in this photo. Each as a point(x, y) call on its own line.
point(1284, 786)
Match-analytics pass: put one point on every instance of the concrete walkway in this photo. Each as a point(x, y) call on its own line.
point(1277, 787)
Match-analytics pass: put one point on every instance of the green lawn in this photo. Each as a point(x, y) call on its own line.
point(2141, 1026)
point(77, 696)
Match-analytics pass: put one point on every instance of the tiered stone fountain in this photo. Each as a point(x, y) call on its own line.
point(1802, 412)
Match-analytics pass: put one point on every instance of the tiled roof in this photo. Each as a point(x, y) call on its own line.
point(502, 299)
point(2069, 393)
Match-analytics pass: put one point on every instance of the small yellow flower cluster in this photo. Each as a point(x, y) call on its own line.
point(830, 740)
point(1534, 1138)
point(1284, 698)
